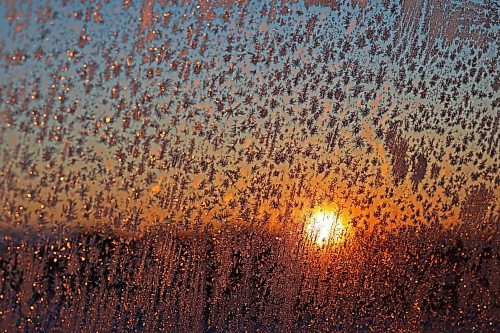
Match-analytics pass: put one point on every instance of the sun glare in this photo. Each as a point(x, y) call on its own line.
point(325, 226)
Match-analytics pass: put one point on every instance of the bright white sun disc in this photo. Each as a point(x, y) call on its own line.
point(324, 227)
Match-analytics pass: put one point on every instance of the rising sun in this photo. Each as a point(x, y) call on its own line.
point(326, 226)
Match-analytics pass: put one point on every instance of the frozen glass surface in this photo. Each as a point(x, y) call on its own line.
point(249, 166)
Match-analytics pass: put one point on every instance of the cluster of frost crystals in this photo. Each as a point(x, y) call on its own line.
point(160, 161)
